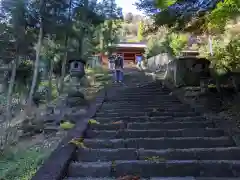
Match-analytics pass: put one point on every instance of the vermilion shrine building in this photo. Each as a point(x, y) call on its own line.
point(129, 51)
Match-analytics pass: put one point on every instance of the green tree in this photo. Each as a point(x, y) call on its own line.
point(140, 31)
point(156, 43)
point(178, 42)
point(110, 27)
point(16, 38)
point(38, 52)
point(181, 15)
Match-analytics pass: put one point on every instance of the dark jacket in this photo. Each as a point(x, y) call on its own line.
point(111, 59)
point(119, 62)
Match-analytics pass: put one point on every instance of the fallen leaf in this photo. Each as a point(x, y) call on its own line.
point(129, 177)
point(93, 121)
point(67, 125)
point(117, 122)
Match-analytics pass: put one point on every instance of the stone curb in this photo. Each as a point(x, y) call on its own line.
point(55, 167)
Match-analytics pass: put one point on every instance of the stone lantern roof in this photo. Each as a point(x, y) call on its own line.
point(79, 60)
point(189, 53)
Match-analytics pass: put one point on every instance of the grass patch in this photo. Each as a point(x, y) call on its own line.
point(21, 165)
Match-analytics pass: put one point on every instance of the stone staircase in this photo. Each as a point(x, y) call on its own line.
point(147, 133)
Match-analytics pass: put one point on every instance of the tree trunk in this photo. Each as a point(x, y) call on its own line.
point(10, 89)
point(80, 40)
point(110, 36)
point(36, 65)
point(101, 38)
point(49, 96)
point(110, 26)
point(58, 84)
point(63, 68)
point(64, 62)
point(8, 130)
point(210, 44)
point(82, 30)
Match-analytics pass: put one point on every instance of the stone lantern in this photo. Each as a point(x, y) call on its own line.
point(77, 72)
point(77, 68)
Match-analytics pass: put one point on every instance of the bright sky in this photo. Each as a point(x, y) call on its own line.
point(128, 6)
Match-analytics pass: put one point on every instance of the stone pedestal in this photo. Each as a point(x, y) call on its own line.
point(75, 95)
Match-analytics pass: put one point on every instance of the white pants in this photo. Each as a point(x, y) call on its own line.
point(111, 65)
point(139, 65)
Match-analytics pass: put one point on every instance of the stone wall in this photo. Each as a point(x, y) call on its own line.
point(182, 71)
point(159, 62)
point(186, 71)
point(94, 62)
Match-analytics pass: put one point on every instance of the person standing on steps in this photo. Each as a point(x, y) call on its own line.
point(139, 62)
point(119, 61)
point(111, 62)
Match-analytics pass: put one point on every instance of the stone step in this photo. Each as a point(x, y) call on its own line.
point(198, 132)
point(157, 178)
point(149, 119)
point(174, 143)
point(139, 102)
point(160, 143)
point(142, 92)
point(137, 106)
point(129, 104)
point(170, 125)
point(148, 100)
point(225, 153)
point(113, 106)
point(152, 125)
point(88, 178)
point(146, 93)
point(88, 155)
point(123, 119)
point(143, 168)
point(163, 113)
point(147, 96)
point(160, 109)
